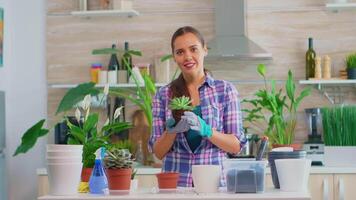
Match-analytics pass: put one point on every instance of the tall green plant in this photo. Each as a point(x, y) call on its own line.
point(339, 125)
point(351, 61)
point(282, 113)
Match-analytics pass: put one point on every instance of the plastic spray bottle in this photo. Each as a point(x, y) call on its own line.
point(98, 182)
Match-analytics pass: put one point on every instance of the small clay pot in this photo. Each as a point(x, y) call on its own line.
point(167, 180)
point(294, 146)
point(86, 173)
point(119, 179)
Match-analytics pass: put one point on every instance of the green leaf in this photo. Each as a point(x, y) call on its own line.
point(261, 69)
point(134, 52)
point(77, 133)
point(30, 137)
point(91, 122)
point(166, 57)
point(290, 86)
point(303, 94)
point(72, 140)
point(75, 95)
point(106, 51)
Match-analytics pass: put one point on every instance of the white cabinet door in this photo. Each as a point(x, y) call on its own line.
point(344, 187)
point(321, 186)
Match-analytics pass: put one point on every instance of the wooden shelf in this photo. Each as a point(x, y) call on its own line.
point(340, 6)
point(329, 82)
point(124, 85)
point(94, 13)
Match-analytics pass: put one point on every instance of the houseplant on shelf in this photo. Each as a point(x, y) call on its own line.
point(351, 66)
point(281, 109)
point(118, 164)
point(339, 128)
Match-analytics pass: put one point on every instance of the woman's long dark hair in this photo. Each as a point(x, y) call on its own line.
point(178, 86)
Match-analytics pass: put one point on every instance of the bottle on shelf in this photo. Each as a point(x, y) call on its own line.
point(113, 67)
point(139, 157)
point(310, 61)
point(126, 60)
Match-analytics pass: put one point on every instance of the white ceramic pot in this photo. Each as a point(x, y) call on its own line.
point(64, 147)
point(64, 178)
point(293, 174)
point(206, 178)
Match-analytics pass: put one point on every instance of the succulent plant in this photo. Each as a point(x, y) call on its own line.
point(118, 159)
point(181, 103)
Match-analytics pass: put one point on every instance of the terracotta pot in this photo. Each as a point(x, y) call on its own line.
point(294, 146)
point(167, 180)
point(86, 173)
point(119, 179)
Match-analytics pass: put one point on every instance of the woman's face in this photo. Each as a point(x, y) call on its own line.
point(189, 54)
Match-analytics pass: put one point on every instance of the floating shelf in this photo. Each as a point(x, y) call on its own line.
point(94, 13)
point(334, 90)
point(340, 6)
point(123, 85)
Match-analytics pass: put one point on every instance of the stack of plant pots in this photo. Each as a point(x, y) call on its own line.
point(274, 155)
point(64, 168)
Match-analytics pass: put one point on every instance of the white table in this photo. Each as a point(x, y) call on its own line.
point(186, 194)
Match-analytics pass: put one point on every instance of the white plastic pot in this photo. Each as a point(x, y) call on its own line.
point(64, 178)
point(64, 147)
point(293, 174)
point(206, 178)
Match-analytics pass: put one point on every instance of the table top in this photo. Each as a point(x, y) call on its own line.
point(185, 194)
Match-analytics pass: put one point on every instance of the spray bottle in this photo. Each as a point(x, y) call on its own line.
point(98, 182)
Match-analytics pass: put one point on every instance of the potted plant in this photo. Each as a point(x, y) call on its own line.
point(339, 125)
point(118, 164)
point(276, 109)
point(178, 105)
point(167, 180)
point(351, 66)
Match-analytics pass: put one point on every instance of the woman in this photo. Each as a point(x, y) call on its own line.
point(212, 129)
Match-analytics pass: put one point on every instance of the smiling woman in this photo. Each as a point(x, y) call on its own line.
point(213, 127)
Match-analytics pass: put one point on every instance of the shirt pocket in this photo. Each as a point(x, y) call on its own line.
point(213, 115)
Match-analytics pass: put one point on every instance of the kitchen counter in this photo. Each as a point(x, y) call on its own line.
point(187, 194)
point(314, 170)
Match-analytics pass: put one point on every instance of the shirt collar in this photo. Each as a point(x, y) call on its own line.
point(209, 80)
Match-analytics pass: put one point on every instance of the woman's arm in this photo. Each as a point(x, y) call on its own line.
point(163, 144)
point(226, 142)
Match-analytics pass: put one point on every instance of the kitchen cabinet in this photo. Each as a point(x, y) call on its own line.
point(344, 187)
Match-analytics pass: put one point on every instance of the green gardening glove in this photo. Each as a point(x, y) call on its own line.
point(198, 124)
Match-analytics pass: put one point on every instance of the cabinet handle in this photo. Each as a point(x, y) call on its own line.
point(325, 189)
point(341, 189)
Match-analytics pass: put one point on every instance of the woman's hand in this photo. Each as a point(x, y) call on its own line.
point(181, 126)
point(198, 124)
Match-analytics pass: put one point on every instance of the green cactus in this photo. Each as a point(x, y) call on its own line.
point(181, 103)
point(118, 159)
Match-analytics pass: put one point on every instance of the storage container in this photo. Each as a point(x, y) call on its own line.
point(245, 176)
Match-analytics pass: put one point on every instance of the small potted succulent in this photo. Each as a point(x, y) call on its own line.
point(118, 164)
point(351, 66)
point(178, 105)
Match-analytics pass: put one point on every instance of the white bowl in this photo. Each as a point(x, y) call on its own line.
point(64, 178)
point(293, 174)
point(64, 159)
point(64, 147)
point(64, 153)
point(206, 178)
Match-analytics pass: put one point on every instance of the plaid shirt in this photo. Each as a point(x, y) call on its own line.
point(220, 108)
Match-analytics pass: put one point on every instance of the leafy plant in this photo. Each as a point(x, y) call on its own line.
point(123, 144)
point(339, 125)
point(181, 103)
point(118, 159)
point(351, 61)
point(89, 133)
point(142, 94)
point(133, 174)
point(282, 114)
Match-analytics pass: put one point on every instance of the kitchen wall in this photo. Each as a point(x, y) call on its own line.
point(23, 78)
point(280, 26)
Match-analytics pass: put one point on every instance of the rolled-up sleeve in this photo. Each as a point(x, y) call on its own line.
point(158, 112)
point(232, 114)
